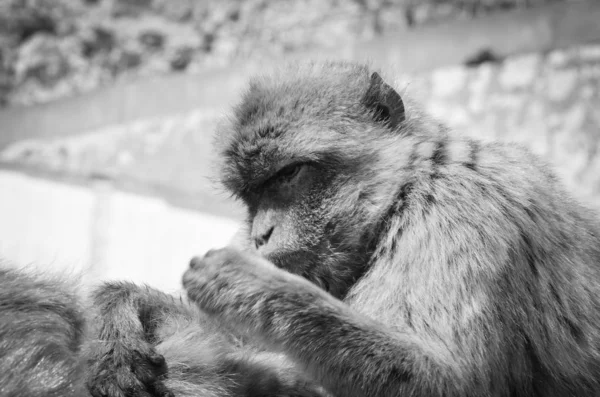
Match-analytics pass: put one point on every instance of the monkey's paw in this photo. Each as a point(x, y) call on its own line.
point(230, 282)
point(118, 371)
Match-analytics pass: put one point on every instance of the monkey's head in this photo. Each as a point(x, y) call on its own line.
point(308, 152)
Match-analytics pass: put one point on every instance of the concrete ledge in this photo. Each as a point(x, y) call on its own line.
point(101, 233)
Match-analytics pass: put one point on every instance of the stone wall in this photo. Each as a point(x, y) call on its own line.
point(548, 102)
point(53, 49)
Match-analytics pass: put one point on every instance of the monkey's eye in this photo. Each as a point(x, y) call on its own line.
point(286, 174)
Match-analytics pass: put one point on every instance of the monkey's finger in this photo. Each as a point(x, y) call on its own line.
point(148, 363)
point(197, 262)
point(148, 370)
point(190, 279)
point(159, 389)
point(158, 363)
point(211, 252)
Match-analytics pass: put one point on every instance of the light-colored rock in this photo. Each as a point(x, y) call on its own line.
point(530, 129)
point(448, 81)
point(451, 114)
point(591, 72)
point(560, 83)
point(507, 100)
point(480, 84)
point(559, 58)
point(590, 52)
point(573, 119)
point(571, 145)
point(520, 72)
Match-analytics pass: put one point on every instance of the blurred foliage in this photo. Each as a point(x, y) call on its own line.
point(51, 49)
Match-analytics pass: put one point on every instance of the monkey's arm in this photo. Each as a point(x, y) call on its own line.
point(133, 320)
point(123, 359)
point(350, 354)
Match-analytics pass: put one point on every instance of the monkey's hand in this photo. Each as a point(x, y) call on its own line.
point(245, 289)
point(122, 360)
point(254, 296)
point(118, 370)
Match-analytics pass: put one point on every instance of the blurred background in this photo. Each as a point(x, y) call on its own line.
point(107, 107)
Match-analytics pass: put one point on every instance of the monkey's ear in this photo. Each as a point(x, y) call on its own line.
point(385, 103)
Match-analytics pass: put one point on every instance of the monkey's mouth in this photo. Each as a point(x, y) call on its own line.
point(301, 263)
point(297, 262)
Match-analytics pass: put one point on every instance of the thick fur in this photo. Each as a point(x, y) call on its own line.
point(454, 267)
point(126, 340)
point(42, 329)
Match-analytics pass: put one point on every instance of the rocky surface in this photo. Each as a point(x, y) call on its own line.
point(53, 49)
point(550, 103)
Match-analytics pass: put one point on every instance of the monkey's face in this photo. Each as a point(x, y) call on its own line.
point(300, 158)
point(297, 220)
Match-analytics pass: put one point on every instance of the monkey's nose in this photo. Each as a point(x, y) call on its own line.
point(264, 239)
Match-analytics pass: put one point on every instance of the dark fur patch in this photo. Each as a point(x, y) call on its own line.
point(397, 208)
point(266, 131)
point(408, 318)
point(439, 158)
point(528, 253)
point(574, 329)
point(400, 374)
point(537, 369)
point(403, 197)
point(400, 207)
point(473, 155)
point(430, 200)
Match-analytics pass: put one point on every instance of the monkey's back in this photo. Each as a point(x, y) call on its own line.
point(487, 251)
